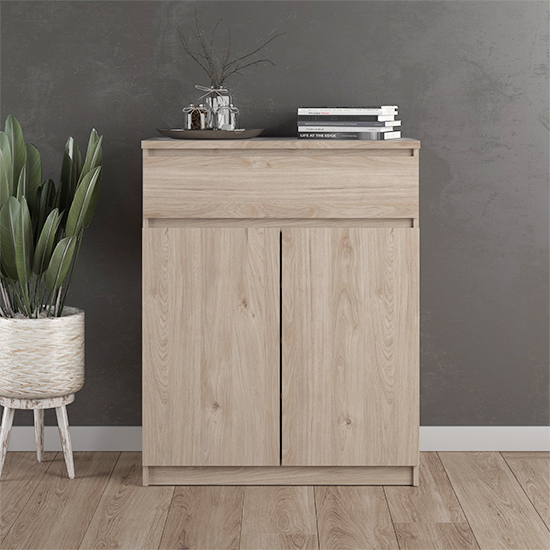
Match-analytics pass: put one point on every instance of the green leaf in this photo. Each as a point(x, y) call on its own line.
point(34, 172)
point(22, 185)
point(94, 137)
point(44, 246)
point(59, 263)
point(18, 150)
point(6, 169)
point(8, 233)
point(82, 207)
point(44, 203)
point(23, 243)
point(94, 156)
point(4, 186)
point(70, 173)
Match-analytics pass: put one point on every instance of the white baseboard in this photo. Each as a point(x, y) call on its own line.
point(485, 438)
point(83, 438)
point(432, 438)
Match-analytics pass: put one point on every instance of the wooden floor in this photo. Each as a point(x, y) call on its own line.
point(465, 500)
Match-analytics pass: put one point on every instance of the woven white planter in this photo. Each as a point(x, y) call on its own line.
point(42, 358)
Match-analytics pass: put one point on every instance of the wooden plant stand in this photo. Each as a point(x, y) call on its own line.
point(38, 405)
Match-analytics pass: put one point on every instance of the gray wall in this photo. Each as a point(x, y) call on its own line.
point(471, 79)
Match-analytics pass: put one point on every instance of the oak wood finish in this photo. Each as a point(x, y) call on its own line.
point(354, 517)
point(204, 518)
point(279, 518)
point(525, 454)
point(226, 186)
point(163, 143)
point(435, 536)
point(287, 181)
point(128, 515)
point(59, 511)
point(280, 222)
point(20, 478)
point(433, 501)
point(211, 347)
point(210, 517)
point(280, 475)
point(498, 511)
point(350, 347)
point(533, 475)
point(214, 212)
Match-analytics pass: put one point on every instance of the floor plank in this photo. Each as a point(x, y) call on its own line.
point(435, 536)
point(433, 501)
point(205, 518)
point(525, 454)
point(128, 515)
point(278, 517)
point(57, 514)
point(20, 477)
point(355, 518)
point(533, 475)
point(498, 511)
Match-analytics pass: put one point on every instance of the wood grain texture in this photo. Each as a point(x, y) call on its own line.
point(312, 153)
point(526, 454)
point(27, 404)
point(353, 518)
point(278, 518)
point(533, 475)
point(280, 222)
point(20, 477)
point(276, 143)
point(435, 536)
point(39, 433)
point(433, 501)
point(211, 347)
point(350, 347)
point(5, 431)
point(281, 475)
point(128, 515)
point(496, 507)
point(59, 511)
point(204, 518)
point(280, 184)
point(65, 436)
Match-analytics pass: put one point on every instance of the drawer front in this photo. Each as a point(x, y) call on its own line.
point(280, 184)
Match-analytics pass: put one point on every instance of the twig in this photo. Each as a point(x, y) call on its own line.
point(219, 66)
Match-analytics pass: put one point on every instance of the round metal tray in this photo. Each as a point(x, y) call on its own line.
point(178, 133)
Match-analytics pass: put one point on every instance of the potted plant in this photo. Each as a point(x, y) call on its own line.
point(41, 227)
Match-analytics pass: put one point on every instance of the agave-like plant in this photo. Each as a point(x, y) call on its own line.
point(41, 224)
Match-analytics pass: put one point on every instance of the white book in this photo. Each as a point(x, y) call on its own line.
point(349, 135)
point(345, 128)
point(383, 110)
point(349, 123)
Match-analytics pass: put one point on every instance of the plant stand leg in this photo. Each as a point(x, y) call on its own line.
point(39, 433)
point(7, 420)
point(63, 424)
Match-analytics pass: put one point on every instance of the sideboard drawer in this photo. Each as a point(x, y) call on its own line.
point(294, 183)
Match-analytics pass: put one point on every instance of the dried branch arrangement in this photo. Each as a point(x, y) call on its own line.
point(217, 66)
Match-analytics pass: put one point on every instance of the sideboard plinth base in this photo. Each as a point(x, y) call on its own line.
point(279, 475)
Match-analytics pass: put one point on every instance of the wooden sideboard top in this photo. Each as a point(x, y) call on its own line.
point(277, 143)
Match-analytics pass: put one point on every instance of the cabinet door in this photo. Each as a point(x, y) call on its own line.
point(350, 360)
point(211, 347)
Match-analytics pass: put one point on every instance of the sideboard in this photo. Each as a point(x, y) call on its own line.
point(280, 312)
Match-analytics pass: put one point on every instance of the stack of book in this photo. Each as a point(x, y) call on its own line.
point(372, 123)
